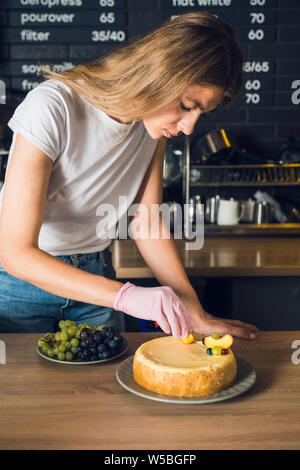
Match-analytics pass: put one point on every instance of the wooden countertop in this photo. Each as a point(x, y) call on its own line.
point(219, 257)
point(45, 405)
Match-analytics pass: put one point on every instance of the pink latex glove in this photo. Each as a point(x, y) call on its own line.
point(159, 304)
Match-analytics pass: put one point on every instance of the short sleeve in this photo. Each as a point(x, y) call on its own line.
point(41, 119)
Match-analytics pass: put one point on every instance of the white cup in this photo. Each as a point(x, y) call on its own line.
point(230, 212)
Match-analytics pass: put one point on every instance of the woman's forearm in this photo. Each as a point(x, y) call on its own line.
point(59, 278)
point(162, 257)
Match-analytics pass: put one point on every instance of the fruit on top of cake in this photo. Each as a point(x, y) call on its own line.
point(189, 339)
point(217, 351)
point(81, 342)
point(224, 342)
point(216, 335)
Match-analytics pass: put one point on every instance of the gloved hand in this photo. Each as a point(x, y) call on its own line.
point(159, 304)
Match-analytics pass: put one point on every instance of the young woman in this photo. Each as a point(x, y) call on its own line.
point(82, 139)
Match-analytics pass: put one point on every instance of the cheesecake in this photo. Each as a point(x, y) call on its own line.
point(167, 366)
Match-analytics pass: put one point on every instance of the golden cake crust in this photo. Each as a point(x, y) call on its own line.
point(169, 367)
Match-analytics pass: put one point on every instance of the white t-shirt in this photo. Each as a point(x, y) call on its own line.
point(92, 166)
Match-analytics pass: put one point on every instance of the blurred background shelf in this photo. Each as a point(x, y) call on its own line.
point(245, 175)
point(253, 229)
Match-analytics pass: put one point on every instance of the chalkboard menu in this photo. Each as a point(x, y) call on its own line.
point(254, 21)
point(55, 25)
point(64, 33)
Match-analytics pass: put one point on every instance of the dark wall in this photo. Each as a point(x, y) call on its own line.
point(66, 32)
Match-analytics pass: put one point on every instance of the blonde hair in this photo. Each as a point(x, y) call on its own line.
point(142, 76)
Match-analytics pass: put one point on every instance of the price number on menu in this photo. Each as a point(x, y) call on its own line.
point(108, 36)
point(251, 95)
point(108, 17)
point(256, 34)
point(262, 22)
point(257, 3)
point(257, 67)
point(258, 83)
point(257, 18)
point(107, 3)
point(258, 99)
point(253, 85)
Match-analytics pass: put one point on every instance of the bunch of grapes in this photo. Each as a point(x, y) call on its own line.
point(81, 342)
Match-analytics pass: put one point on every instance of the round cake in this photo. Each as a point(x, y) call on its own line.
point(168, 366)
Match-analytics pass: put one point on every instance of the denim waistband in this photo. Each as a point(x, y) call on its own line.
point(103, 257)
point(82, 258)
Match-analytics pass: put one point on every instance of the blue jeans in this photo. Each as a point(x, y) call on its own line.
point(24, 308)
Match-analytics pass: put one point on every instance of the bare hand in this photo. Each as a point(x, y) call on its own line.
point(207, 324)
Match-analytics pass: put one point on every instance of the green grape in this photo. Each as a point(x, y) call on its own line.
point(67, 344)
point(61, 324)
point(45, 348)
point(50, 353)
point(62, 347)
point(41, 343)
point(57, 336)
point(68, 323)
point(56, 351)
point(216, 335)
point(48, 337)
point(69, 356)
point(74, 350)
point(78, 333)
point(72, 330)
point(74, 342)
point(61, 356)
point(64, 336)
point(217, 351)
